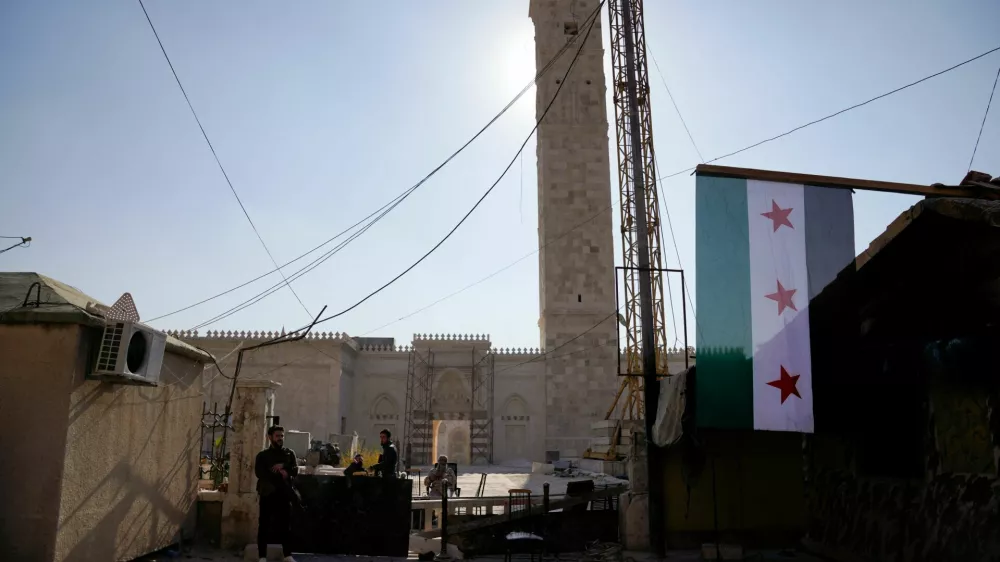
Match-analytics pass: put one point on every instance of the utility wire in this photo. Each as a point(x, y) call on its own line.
point(564, 344)
point(677, 109)
point(299, 273)
point(832, 115)
point(495, 273)
point(406, 193)
point(267, 292)
point(216, 156)
point(666, 209)
point(983, 124)
point(26, 242)
point(510, 164)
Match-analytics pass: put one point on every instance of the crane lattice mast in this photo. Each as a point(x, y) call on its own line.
point(631, 387)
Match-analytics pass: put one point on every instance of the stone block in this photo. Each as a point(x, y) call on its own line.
point(542, 468)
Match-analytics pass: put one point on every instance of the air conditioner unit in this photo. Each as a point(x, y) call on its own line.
point(130, 353)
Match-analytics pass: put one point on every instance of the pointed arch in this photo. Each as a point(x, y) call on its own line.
point(515, 407)
point(384, 407)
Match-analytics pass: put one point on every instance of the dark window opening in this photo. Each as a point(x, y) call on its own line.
point(579, 298)
point(571, 28)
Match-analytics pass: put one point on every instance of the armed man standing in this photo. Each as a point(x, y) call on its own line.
point(275, 467)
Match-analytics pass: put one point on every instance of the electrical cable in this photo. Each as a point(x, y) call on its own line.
point(565, 343)
point(548, 66)
point(677, 109)
point(495, 273)
point(983, 124)
point(510, 164)
point(687, 291)
point(832, 115)
point(216, 156)
point(25, 242)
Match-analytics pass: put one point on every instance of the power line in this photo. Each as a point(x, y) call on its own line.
point(497, 272)
point(686, 289)
point(216, 156)
point(259, 277)
point(406, 193)
point(564, 344)
point(983, 124)
point(510, 164)
point(832, 115)
point(677, 109)
point(299, 273)
point(25, 242)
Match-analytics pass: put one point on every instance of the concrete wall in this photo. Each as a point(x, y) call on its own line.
point(100, 471)
point(758, 496)
point(519, 409)
point(379, 396)
point(36, 374)
point(309, 371)
point(131, 465)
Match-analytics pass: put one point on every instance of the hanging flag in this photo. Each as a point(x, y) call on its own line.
point(764, 249)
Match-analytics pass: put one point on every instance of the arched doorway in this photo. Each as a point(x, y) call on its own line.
point(384, 414)
point(515, 419)
point(451, 404)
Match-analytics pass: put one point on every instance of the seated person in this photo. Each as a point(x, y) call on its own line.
point(437, 477)
point(356, 466)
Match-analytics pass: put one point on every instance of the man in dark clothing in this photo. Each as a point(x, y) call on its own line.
point(388, 460)
point(275, 467)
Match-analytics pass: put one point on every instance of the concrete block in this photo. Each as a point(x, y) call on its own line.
point(542, 468)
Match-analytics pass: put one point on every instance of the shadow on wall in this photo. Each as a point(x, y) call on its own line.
point(131, 466)
point(101, 542)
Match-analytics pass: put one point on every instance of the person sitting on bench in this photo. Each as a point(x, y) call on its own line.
point(438, 477)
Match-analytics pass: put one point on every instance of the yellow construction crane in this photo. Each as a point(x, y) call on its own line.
point(634, 134)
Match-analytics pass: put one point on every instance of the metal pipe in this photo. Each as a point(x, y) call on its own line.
point(650, 383)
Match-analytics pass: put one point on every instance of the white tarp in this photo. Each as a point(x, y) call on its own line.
point(667, 428)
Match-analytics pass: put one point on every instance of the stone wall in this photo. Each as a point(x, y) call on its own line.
point(309, 371)
point(576, 272)
point(951, 513)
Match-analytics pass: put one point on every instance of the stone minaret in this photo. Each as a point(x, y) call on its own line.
point(576, 272)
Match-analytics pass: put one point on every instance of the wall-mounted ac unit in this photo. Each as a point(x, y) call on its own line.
point(130, 353)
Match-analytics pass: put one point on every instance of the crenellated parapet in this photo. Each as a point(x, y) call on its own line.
point(386, 348)
point(516, 351)
point(451, 337)
point(252, 335)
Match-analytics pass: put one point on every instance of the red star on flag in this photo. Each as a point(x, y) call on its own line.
point(778, 216)
point(786, 384)
point(784, 298)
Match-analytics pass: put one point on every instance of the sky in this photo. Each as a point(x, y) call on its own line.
point(323, 111)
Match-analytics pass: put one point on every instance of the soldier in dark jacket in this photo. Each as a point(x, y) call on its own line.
point(275, 467)
point(388, 460)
